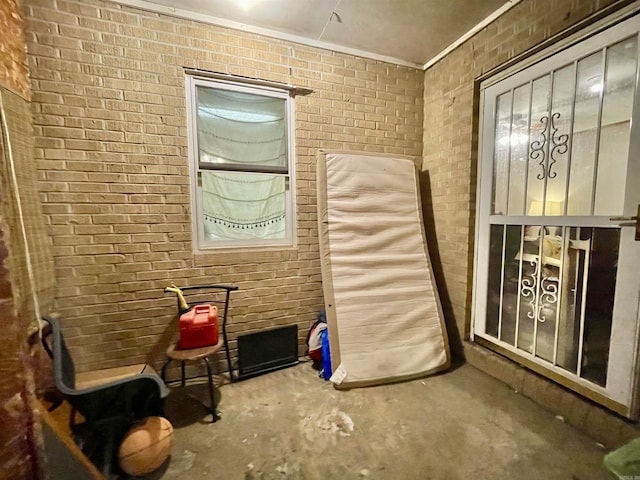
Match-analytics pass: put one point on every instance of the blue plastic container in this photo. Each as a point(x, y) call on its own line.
point(326, 355)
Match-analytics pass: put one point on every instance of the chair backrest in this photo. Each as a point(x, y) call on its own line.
point(63, 367)
point(135, 396)
point(109, 409)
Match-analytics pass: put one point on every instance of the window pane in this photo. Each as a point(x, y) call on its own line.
point(507, 282)
point(529, 264)
point(547, 292)
point(616, 122)
point(494, 282)
point(598, 310)
point(585, 135)
point(243, 206)
point(538, 148)
point(502, 149)
point(571, 299)
point(561, 121)
point(241, 128)
point(519, 149)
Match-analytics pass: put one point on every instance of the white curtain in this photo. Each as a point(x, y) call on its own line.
point(242, 206)
point(240, 128)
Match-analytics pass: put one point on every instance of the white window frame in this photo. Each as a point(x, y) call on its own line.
point(200, 243)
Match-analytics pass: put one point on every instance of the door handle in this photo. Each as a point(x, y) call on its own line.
point(629, 222)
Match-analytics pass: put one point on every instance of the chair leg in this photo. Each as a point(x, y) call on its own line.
point(182, 371)
point(164, 370)
point(214, 410)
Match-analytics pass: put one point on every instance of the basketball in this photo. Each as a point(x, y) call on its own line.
point(146, 446)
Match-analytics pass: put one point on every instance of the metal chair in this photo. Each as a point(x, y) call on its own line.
point(202, 294)
point(110, 400)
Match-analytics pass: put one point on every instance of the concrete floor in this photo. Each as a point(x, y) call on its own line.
point(291, 424)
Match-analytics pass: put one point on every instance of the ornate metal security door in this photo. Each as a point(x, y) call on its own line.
point(557, 275)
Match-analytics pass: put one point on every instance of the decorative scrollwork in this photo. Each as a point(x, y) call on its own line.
point(539, 298)
point(528, 289)
point(537, 148)
point(549, 294)
point(559, 145)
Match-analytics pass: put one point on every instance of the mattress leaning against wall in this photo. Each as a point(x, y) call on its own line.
point(383, 311)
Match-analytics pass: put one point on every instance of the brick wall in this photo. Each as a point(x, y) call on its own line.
point(111, 150)
point(449, 162)
point(450, 143)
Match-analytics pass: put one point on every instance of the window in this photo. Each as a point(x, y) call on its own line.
point(558, 174)
point(240, 148)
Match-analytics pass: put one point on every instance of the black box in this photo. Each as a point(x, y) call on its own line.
point(267, 350)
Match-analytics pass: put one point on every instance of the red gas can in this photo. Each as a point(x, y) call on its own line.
point(199, 327)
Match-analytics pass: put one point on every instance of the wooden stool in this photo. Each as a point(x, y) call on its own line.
point(192, 354)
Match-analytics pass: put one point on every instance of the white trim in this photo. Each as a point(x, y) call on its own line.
point(495, 15)
point(223, 22)
point(200, 244)
point(192, 145)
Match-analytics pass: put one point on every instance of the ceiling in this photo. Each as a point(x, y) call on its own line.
point(406, 32)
